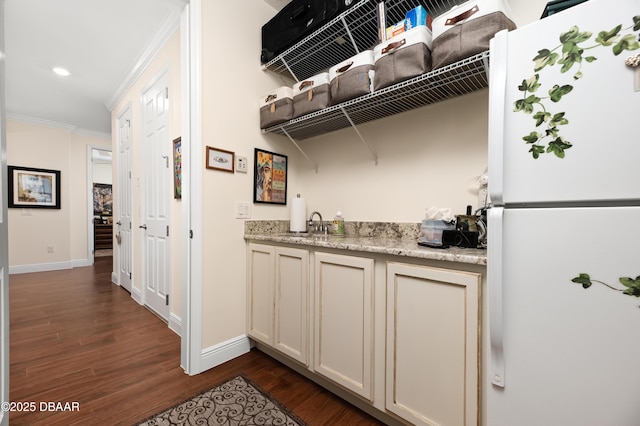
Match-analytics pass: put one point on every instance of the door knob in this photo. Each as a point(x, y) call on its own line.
point(118, 223)
point(142, 226)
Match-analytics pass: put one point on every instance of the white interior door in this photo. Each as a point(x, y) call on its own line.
point(156, 193)
point(4, 241)
point(124, 200)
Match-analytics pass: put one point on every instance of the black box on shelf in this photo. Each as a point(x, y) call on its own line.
point(556, 6)
point(296, 20)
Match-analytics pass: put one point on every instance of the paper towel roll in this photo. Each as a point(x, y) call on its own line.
point(298, 215)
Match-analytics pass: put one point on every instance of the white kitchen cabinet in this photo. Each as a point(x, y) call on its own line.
point(343, 321)
point(432, 344)
point(291, 324)
point(278, 302)
point(260, 293)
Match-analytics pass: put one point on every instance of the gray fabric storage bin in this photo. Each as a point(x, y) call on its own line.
point(311, 95)
point(466, 30)
point(402, 57)
point(352, 78)
point(276, 107)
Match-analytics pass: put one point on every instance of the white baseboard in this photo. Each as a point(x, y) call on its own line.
point(137, 295)
point(54, 266)
point(115, 278)
point(223, 352)
point(80, 263)
point(175, 324)
point(41, 267)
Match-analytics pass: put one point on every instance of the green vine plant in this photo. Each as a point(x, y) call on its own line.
point(570, 53)
point(631, 285)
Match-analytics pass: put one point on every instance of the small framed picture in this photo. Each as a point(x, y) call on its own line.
point(102, 199)
point(33, 188)
point(270, 177)
point(177, 168)
point(220, 159)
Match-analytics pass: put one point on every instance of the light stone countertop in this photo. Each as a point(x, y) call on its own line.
point(397, 239)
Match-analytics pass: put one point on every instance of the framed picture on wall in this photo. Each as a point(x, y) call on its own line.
point(177, 168)
point(33, 188)
point(220, 159)
point(102, 199)
point(269, 177)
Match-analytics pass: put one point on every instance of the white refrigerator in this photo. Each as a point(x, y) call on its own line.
point(564, 227)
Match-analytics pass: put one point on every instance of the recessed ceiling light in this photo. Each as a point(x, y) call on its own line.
point(61, 71)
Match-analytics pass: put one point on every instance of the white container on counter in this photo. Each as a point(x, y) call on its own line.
point(431, 231)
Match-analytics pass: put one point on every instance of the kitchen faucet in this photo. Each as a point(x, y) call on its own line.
point(318, 227)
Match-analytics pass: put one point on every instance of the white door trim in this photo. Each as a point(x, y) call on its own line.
point(90, 229)
point(4, 242)
point(191, 38)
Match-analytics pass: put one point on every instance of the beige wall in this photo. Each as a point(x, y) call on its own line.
point(233, 81)
point(31, 231)
point(431, 156)
point(102, 173)
point(167, 59)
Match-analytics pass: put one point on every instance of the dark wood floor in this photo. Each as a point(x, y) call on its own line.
point(76, 337)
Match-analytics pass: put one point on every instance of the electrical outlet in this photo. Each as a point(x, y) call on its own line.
point(241, 164)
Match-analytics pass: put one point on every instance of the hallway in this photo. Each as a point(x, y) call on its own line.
point(77, 337)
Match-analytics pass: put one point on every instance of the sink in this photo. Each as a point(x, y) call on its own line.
point(298, 234)
point(305, 236)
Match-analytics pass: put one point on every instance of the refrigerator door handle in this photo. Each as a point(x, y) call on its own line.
point(495, 257)
point(497, 96)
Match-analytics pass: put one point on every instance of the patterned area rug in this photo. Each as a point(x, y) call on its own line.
point(233, 403)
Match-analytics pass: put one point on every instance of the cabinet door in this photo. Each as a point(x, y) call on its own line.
point(291, 303)
point(343, 350)
point(260, 292)
point(432, 344)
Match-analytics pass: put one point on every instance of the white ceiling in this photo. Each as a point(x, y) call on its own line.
point(99, 41)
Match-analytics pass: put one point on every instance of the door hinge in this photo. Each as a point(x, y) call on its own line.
point(130, 275)
point(167, 230)
point(166, 93)
point(190, 233)
point(167, 299)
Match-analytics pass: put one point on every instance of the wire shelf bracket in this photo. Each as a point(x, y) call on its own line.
point(293, 141)
point(348, 31)
point(364, 142)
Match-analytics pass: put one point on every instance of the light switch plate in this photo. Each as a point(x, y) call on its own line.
point(243, 210)
point(241, 164)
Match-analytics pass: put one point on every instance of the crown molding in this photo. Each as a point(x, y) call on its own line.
point(88, 132)
point(40, 122)
point(55, 125)
point(145, 58)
